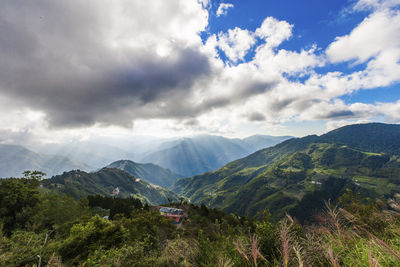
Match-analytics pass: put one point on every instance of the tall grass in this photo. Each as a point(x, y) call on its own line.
point(249, 250)
point(341, 238)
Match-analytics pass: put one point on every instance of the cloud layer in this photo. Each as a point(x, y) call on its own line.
point(79, 64)
point(86, 63)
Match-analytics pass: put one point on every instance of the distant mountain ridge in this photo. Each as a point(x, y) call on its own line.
point(150, 172)
point(14, 160)
point(199, 154)
point(278, 178)
point(259, 141)
point(373, 137)
point(92, 154)
point(80, 184)
point(185, 156)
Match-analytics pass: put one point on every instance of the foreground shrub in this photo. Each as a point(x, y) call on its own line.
point(84, 239)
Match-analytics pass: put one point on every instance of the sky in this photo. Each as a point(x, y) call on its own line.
point(80, 70)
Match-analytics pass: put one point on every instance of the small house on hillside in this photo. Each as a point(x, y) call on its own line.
point(175, 214)
point(115, 192)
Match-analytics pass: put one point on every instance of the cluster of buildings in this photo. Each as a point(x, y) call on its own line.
point(175, 214)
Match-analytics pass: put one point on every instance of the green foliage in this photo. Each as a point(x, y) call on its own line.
point(34, 175)
point(134, 254)
point(268, 234)
point(353, 234)
point(221, 251)
point(23, 248)
point(88, 237)
point(121, 206)
point(149, 227)
point(364, 210)
point(313, 202)
point(18, 197)
point(56, 212)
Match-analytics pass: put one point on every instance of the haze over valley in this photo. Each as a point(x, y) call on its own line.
point(185, 156)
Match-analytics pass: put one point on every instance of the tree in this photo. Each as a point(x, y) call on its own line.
point(34, 175)
point(17, 199)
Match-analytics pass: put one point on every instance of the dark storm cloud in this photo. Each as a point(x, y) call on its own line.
point(71, 97)
point(256, 116)
point(278, 105)
point(337, 114)
point(183, 108)
point(53, 59)
point(191, 122)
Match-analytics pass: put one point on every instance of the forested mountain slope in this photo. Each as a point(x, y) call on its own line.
point(81, 184)
point(195, 155)
point(280, 177)
point(150, 172)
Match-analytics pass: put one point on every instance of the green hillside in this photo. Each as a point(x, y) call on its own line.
point(150, 172)
point(80, 184)
point(297, 175)
point(241, 171)
point(199, 154)
point(373, 137)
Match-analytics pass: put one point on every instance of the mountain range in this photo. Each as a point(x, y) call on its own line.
point(203, 153)
point(184, 156)
point(14, 160)
point(94, 155)
point(298, 174)
point(295, 176)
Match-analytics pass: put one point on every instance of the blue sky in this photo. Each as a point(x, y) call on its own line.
point(315, 22)
point(183, 67)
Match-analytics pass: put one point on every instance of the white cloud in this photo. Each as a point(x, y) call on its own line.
point(375, 42)
point(236, 43)
point(285, 61)
point(274, 31)
point(334, 124)
point(375, 35)
point(375, 4)
point(390, 110)
point(223, 9)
